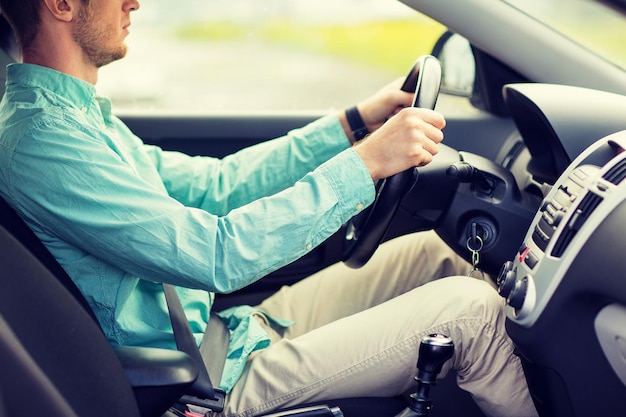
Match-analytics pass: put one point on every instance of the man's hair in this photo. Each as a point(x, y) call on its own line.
point(24, 18)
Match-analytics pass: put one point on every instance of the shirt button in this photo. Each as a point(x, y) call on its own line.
point(309, 246)
point(83, 109)
point(359, 206)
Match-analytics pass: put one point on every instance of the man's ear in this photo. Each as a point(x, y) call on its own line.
point(64, 10)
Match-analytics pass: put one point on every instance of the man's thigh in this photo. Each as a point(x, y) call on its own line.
point(398, 266)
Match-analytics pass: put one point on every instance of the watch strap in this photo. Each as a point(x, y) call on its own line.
point(357, 125)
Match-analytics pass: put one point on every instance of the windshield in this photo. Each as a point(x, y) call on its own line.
point(596, 25)
point(246, 55)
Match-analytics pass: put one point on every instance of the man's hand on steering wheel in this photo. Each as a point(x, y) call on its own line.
point(409, 139)
point(385, 103)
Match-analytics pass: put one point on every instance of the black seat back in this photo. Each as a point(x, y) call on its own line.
point(14, 224)
point(9, 52)
point(53, 353)
point(23, 382)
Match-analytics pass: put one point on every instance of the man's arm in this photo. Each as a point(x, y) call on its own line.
point(272, 166)
point(91, 202)
point(221, 185)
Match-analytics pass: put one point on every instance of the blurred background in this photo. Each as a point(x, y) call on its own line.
point(251, 55)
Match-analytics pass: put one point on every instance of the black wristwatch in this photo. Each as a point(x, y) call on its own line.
point(357, 125)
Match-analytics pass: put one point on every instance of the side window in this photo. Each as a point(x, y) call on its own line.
point(245, 55)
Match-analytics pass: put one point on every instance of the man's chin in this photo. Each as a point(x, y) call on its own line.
point(103, 59)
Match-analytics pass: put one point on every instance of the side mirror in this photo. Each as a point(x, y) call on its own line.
point(458, 66)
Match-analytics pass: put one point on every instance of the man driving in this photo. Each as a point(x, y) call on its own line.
point(122, 217)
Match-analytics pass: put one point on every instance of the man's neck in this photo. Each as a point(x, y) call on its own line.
point(63, 56)
point(77, 70)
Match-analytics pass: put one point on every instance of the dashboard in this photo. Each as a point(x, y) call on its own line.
point(496, 199)
point(565, 289)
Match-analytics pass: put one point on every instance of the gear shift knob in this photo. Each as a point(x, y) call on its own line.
point(435, 350)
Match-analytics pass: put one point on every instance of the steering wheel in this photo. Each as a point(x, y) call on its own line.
point(366, 230)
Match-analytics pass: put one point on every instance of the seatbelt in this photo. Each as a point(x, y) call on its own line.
point(214, 345)
point(203, 393)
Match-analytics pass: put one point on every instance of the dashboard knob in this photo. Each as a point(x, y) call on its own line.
point(506, 267)
point(518, 294)
point(507, 284)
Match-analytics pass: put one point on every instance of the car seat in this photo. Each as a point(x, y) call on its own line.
point(50, 339)
point(8, 50)
point(56, 361)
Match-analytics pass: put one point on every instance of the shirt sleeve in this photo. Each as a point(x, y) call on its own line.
point(100, 199)
point(220, 185)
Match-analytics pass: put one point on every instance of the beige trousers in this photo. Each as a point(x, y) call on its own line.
point(357, 333)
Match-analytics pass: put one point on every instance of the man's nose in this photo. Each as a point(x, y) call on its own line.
point(134, 5)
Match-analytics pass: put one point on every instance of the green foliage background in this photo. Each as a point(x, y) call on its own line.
point(370, 43)
point(388, 44)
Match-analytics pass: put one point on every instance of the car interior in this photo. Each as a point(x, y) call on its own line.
point(539, 185)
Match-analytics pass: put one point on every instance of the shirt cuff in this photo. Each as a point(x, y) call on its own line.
point(351, 181)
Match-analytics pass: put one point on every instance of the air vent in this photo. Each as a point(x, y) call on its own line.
point(587, 205)
point(617, 173)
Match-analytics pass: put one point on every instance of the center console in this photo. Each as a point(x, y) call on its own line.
point(566, 288)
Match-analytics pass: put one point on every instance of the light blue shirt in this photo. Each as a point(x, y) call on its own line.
point(122, 217)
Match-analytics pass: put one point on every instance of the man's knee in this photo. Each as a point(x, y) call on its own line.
point(481, 290)
point(461, 297)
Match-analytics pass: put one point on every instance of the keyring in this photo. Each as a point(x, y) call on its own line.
point(480, 241)
point(475, 257)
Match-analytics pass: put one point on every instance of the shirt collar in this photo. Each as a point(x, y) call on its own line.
point(76, 91)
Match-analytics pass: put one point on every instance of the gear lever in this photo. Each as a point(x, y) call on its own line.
point(435, 350)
